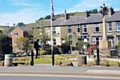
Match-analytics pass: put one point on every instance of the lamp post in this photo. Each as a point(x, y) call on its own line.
point(32, 54)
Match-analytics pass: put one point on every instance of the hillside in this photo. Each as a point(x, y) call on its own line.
point(39, 23)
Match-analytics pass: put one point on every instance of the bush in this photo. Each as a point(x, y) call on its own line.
point(65, 47)
point(55, 50)
point(118, 46)
point(74, 47)
point(80, 46)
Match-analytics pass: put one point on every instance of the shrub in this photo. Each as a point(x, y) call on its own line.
point(118, 46)
point(65, 47)
point(74, 47)
point(80, 46)
point(48, 50)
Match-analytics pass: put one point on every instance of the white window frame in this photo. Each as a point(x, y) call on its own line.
point(84, 27)
point(16, 34)
point(69, 29)
point(54, 41)
point(94, 39)
point(110, 27)
point(118, 26)
point(78, 28)
point(97, 26)
point(100, 38)
point(54, 30)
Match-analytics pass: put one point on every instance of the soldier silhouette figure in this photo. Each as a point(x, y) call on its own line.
point(36, 46)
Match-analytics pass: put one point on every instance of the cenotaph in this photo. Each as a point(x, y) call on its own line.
point(104, 43)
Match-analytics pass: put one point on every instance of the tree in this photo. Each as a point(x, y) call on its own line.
point(71, 14)
point(44, 36)
point(1, 32)
point(47, 17)
point(80, 46)
point(23, 43)
point(10, 29)
point(66, 39)
point(20, 24)
point(13, 24)
point(41, 34)
point(5, 45)
point(93, 11)
point(40, 19)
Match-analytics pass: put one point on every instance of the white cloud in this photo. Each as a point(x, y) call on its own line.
point(14, 1)
point(84, 5)
point(22, 3)
point(25, 15)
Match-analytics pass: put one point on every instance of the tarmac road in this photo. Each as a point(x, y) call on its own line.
point(46, 77)
point(59, 70)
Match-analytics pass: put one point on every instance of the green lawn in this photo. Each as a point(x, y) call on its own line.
point(115, 63)
point(47, 59)
point(44, 59)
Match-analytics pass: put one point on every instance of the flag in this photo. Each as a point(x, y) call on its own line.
point(52, 11)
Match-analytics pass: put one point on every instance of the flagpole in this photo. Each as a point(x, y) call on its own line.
point(51, 5)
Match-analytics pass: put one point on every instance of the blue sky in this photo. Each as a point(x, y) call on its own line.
point(27, 11)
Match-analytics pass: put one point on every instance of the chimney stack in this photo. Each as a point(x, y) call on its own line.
point(87, 14)
point(66, 15)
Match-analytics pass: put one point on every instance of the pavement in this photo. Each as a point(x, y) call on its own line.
point(48, 69)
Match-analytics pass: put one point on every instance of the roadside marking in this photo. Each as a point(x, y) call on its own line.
point(103, 71)
point(77, 76)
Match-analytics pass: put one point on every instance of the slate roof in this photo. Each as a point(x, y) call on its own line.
point(25, 28)
point(93, 18)
point(114, 17)
point(58, 21)
point(4, 26)
point(73, 20)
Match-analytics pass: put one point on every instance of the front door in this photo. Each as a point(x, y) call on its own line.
point(111, 42)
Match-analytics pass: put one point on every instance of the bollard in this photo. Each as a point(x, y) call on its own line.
point(82, 60)
point(98, 57)
point(8, 60)
point(32, 58)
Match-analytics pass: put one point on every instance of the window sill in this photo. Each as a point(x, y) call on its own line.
point(69, 33)
point(96, 32)
point(117, 31)
point(109, 32)
point(77, 33)
point(84, 32)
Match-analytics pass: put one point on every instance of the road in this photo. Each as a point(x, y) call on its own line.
point(48, 77)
